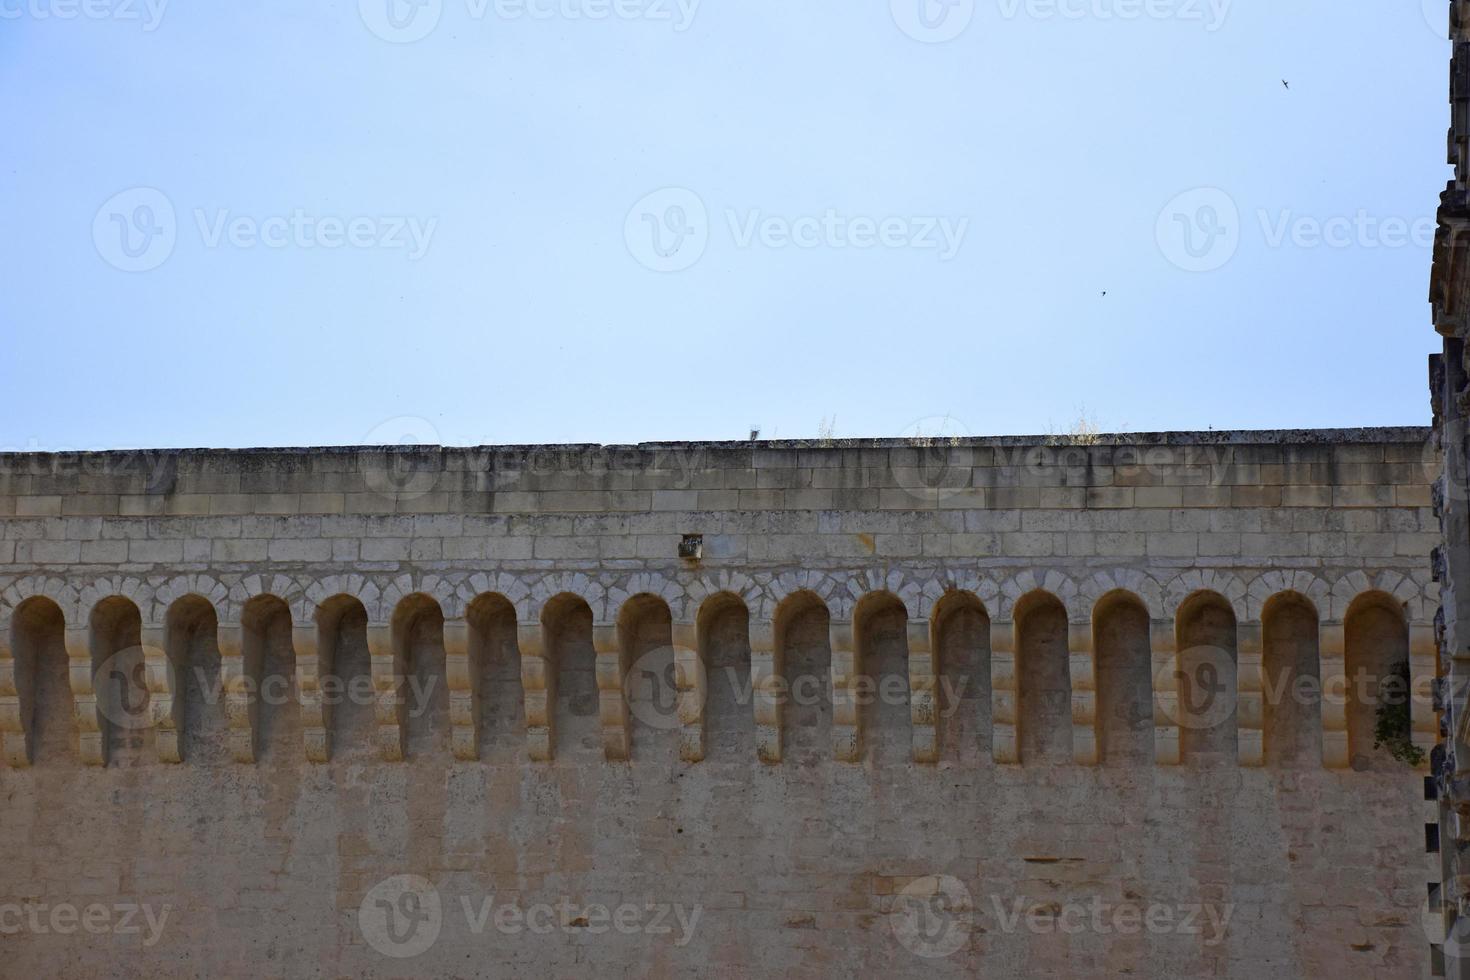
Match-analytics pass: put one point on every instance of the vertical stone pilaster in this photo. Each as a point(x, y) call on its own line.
point(612, 704)
point(766, 688)
point(88, 724)
point(164, 697)
point(12, 726)
point(387, 694)
point(1250, 701)
point(1083, 667)
point(460, 674)
point(1005, 692)
point(691, 677)
point(925, 697)
point(1164, 644)
point(847, 715)
point(1332, 666)
point(1423, 656)
point(538, 684)
point(235, 687)
point(306, 641)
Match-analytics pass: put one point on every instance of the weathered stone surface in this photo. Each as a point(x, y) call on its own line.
point(906, 686)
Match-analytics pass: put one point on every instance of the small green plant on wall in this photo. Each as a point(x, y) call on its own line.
point(1395, 729)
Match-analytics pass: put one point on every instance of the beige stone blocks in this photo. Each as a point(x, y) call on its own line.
point(766, 691)
point(847, 674)
point(925, 695)
point(1164, 644)
point(691, 680)
point(538, 688)
point(460, 675)
point(306, 640)
point(1005, 693)
point(1250, 696)
point(237, 692)
point(1083, 672)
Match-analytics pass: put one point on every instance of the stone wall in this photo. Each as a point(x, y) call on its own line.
point(1450, 397)
point(998, 706)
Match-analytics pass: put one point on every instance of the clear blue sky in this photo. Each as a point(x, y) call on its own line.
point(1054, 134)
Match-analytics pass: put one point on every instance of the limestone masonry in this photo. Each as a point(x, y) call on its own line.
point(995, 707)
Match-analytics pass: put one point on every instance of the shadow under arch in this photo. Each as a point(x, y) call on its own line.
point(42, 683)
point(1122, 645)
point(1291, 682)
point(722, 630)
point(1206, 668)
point(269, 654)
point(495, 678)
point(960, 639)
point(1376, 663)
point(803, 661)
point(1044, 679)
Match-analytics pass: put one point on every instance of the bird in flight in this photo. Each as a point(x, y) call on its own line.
point(1287, 84)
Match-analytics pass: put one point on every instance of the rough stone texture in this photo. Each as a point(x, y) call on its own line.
point(559, 709)
point(1450, 395)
